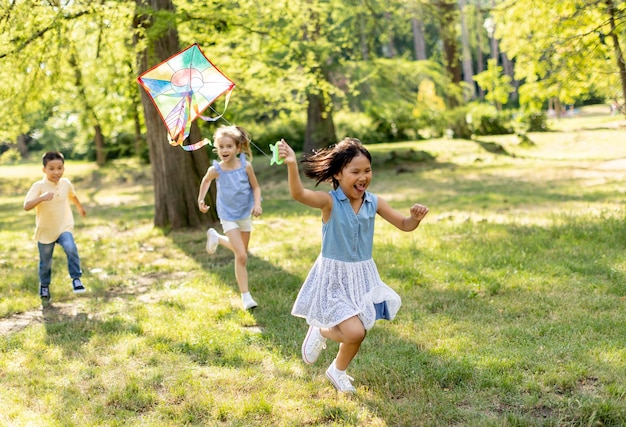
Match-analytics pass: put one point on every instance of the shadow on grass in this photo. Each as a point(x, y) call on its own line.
point(273, 288)
point(69, 327)
point(492, 147)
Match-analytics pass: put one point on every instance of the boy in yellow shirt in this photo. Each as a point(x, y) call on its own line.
point(54, 221)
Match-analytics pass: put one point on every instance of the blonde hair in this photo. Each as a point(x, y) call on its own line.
point(237, 134)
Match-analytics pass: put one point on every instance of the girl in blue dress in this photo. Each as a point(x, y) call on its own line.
point(343, 294)
point(238, 198)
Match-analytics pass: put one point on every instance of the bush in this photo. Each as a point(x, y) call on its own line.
point(486, 120)
point(10, 156)
point(456, 121)
point(533, 121)
point(355, 125)
point(396, 124)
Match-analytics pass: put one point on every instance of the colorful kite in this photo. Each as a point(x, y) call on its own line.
point(181, 88)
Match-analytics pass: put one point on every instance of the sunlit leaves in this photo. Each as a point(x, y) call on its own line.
point(559, 48)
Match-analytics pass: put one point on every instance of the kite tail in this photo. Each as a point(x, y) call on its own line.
point(199, 144)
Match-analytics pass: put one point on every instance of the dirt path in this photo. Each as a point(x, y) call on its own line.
point(76, 309)
point(53, 312)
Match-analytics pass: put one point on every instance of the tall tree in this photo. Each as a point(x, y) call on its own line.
point(564, 49)
point(55, 77)
point(447, 13)
point(176, 173)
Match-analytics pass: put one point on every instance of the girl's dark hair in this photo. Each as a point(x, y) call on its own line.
point(324, 164)
point(52, 155)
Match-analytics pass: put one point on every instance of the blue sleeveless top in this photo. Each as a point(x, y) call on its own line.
point(235, 198)
point(348, 236)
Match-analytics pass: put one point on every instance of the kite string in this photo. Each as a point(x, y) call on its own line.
point(251, 142)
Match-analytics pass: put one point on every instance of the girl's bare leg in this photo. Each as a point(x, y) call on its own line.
point(349, 334)
point(237, 241)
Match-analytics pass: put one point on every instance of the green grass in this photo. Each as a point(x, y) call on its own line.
point(514, 293)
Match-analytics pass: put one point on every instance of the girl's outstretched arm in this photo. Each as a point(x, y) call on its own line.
point(314, 199)
point(395, 218)
point(210, 175)
point(256, 190)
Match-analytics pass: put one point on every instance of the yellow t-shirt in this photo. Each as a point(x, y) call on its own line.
point(54, 217)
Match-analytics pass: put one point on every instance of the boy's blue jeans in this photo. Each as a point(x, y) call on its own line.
point(66, 240)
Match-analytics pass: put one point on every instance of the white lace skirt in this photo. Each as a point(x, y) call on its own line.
point(335, 290)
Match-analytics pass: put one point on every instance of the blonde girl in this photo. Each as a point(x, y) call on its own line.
point(238, 199)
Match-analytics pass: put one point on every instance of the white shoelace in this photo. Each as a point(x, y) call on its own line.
point(320, 344)
point(345, 382)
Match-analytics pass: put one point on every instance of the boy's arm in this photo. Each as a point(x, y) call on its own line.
point(31, 202)
point(76, 202)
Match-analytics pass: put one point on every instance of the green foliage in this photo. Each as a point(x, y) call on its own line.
point(10, 156)
point(456, 122)
point(361, 125)
point(533, 121)
point(486, 120)
point(396, 95)
point(496, 84)
point(288, 126)
point(72, 65)
point(67, 68)
point(429, 109)
point(561, 49)
point(390, 125)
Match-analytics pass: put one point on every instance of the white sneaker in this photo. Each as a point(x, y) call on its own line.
point(248, 302)
point(313, 345)
point(212, 239)
point(342, 382)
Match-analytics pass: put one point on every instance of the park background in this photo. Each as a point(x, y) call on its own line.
point(513, 287)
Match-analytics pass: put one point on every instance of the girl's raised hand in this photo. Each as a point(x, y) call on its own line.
point(418, 212)
point(286, 152)
point(202, 206)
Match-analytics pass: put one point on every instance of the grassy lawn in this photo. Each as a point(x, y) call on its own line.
point(514, 298)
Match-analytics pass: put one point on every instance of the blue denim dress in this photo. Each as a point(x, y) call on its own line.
point(235, 198)
point(344, 281)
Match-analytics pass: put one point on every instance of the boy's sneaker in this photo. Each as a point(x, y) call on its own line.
point(44, 293)
point(248, 302)
point(212, 239)
point(313, 345)
point(342, 382)
point(78, 286)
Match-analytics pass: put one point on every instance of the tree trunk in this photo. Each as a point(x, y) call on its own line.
point(617, 49)
point(139, 142)
point(468, 69)
point(22, 146)
point(508, 67)
point(418, 39)
point(320, 128)
point(101, 157)
point(389, 50)
point(176, 173)
point(448, 13)
point(365, 55)
point(480, 60)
